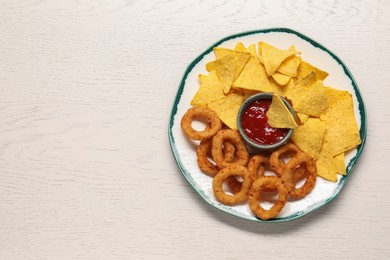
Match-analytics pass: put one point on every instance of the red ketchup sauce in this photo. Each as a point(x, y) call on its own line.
point(254, 122)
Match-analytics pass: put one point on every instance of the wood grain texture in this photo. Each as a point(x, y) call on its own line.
point(86, 172)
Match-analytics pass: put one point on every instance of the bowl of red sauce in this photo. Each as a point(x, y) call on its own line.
point(253, 124)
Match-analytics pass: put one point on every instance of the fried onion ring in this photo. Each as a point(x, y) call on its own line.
point(205, 165)
point(234, 184)
point(298, 174)
point(219, 179)
point(267, 183)
point(306, 161)
point(256, 167)
point(241, 155)
point(276, 163)
point(201, 112)
point(202, 154)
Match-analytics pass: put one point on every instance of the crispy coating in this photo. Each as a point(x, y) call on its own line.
point(267, 183)
point(298, 174)
point(276, 162)
point(302, 161)
point(256, 167)
point(213, 126)
point(219, 179)
point(241, 156)
point(205, 163)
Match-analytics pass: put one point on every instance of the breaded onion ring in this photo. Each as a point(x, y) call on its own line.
point(228, 151)
point(298, 174)
point(256, 167)
point(306, 161)
point(276, 163)
point(267, 183)
point(218, 180)
point(241, 152)
point(203, 151)
point(233, 184)
point(205, 165)
point(202, 112)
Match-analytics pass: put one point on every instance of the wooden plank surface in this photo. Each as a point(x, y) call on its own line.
point(86, 171)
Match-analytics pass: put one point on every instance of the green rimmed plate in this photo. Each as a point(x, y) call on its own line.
point(184, 151)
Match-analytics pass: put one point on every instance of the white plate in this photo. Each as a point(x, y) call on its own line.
point(339, 77)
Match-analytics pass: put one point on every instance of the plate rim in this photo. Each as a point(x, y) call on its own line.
point(351, 165)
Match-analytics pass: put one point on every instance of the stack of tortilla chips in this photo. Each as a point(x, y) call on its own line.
point(325, 126)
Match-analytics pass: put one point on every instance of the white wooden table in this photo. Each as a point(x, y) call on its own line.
point(86, 171)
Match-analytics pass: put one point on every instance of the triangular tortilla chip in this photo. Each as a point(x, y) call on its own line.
point(314, 102)
point(339, 162)
point(240, 47)
point(343, 131)
point(272, 57)
point(305, 68)
point(253, 77)
point(227, 109)
point(289, 67)
point(308, 80)
point(308, 137)
point(326, 168)
point(251, 49)
point(210, 89)
point(247, 93)
point(301, 87)
point(296, 93)
point(302, 118)
point(283, 91)
point(260, 55)
point(279, 116)
point(334, 95)
point(221, 52)
point(281, 79)
point(228, 68)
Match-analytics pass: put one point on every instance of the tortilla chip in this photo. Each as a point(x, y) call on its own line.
point(260, 55)
point(247, 93)
point(308, 137)
point(252, 50)
point(279, 116)
point(334, 95)
point(289, 67)
point(306, 68)
point(343, 131)
point(283, 91)
point(272, 57)
point(222, 52)
point(302, 118)
point(339, 162)
point(228, 68)
point(301, 87)
point(281, 79)
point(308, 80)
point(227, 109)
point(314, 102)
point(296, 93)
point(240, 47)
point(253, 77)
point(326, 168)
point(210, 89)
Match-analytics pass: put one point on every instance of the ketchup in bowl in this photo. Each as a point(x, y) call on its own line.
point(253, 124)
